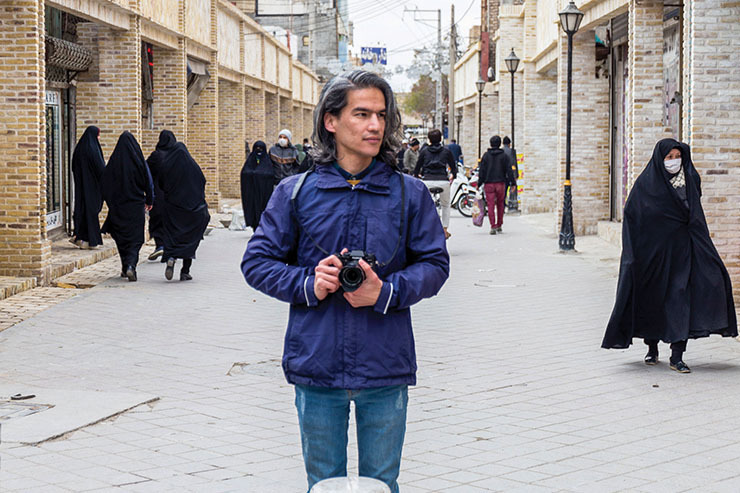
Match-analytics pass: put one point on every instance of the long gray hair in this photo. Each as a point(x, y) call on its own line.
point(334, 98)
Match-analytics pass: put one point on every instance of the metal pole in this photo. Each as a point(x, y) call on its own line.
point(512, 111)
point(480, 100)
point(438, 116)
point(567, 239)
point(451, 77)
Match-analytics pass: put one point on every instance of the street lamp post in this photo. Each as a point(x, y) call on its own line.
point(570, 21)
point(512, 63)
point(480, 84)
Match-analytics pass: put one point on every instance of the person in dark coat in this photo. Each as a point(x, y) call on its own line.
point(285, 156)
point(128, 191)
point(672, 285)
point(257, 179)
point(165, 144)
point(495, 174)
point(88, 167)
point(185, 214)
point(512, 199)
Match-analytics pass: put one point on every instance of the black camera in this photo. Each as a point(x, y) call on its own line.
point(351, 275)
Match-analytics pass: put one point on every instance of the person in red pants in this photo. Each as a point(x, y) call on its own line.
point(495, 172)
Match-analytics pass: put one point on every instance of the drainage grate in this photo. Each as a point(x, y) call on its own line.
point(10, 410)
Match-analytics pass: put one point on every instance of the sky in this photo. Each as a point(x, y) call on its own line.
point(384, 23)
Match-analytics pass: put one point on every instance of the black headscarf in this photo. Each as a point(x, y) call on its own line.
point(672, 282)
point(88, 166)
point(184, 211)
point(257, 179)
point(127, 186)
point(166, 142)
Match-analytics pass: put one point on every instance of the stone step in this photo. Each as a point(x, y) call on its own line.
point(10, 286)
point(611, 231)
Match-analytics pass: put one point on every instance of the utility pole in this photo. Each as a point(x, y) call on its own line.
point(451, 123)
point(439, 115)
point(312, 34)
point(439, 110)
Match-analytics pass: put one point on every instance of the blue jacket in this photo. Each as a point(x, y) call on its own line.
point(329, 343)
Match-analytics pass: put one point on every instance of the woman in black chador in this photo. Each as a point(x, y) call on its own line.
point(672, 283)
point(128, 190)
point(184, 210)
point(88, 166)
point(257, 181)
point(165, 144)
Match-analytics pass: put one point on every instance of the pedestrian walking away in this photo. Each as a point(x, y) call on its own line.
point(257, 183)
point(88, 167)
point(494, 174)
point(672, 285)
point(401, 153)
point(512, 199)
point(185, 214)
point(437, 168)
point(411, 156)
point(456, 150)
point(128, 190)
point(351, 245)
point(284, 156)
point(166, 142)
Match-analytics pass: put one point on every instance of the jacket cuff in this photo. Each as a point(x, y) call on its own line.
point(308, 292)
point(384, 299)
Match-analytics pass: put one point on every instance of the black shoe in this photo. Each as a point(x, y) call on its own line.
point(499, 231)
point(170, 269)
point(493, 231)
point(156, 254)
point(680, 367)
point(651, 359)
point(123, 273)
point(184, 276)
point(131, 273)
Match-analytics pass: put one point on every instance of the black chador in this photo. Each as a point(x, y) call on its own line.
point(88, 166)
point(165, 144)
point(257, 182)
point(672, 283)
point(127, 189)
point(184, 210)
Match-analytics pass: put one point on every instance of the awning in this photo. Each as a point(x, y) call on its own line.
point(67, 55)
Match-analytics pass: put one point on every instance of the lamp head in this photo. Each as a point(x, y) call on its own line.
point(570, 18)
point(512, 61)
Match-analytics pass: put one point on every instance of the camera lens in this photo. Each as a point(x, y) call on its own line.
point(351, 277)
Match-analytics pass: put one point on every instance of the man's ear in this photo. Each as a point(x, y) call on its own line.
point(330, 122)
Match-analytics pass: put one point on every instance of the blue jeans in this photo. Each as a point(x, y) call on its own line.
point(323, 415)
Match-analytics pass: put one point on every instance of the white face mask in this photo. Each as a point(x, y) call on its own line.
point(283, 142)
point(672, 165)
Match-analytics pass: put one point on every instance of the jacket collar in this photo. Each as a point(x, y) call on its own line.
point(376, 181)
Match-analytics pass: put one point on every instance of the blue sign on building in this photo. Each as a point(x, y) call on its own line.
point(373, 55)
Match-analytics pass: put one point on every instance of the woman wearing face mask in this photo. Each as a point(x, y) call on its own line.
point(285, 156)
point(672, 285)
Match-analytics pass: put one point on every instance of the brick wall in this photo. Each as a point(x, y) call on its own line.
point(711, 102)
point(645, 85)
point(203, 134)
point(170, 96)
point(538, 142)
point(589, 134)
point(308, 122)
point(109, 94)
point(272, 119)
point(490, 117)
point(255, 115)
point(24, 248)
point(231, 131)
point(286, 119)
point(468, 133)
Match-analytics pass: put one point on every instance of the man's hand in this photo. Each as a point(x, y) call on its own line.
point(147, 207)
point(368, 292)
point(326, 278)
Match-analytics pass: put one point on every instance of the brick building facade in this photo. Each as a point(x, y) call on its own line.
point(201, 68)
point(642, 70)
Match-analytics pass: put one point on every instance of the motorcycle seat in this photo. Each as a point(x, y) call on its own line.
point(436, 190)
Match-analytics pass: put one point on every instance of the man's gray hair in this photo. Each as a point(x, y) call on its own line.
point(334, 98)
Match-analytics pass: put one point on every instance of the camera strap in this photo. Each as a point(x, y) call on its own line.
point(294, 200)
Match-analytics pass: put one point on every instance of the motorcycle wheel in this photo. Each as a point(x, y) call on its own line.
point(465, 204)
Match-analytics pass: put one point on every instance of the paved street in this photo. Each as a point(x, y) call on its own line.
point(514, 392)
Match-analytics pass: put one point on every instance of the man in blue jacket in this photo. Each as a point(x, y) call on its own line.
point(345, 345)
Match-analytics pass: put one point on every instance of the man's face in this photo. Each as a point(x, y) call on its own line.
point(359, 128)
point(415, 148)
